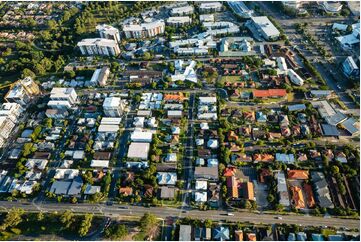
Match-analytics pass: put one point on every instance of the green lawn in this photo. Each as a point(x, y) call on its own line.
point(232, 79)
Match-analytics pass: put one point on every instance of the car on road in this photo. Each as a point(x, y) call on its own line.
point(230, 214)
point(123, 207)
point(279, 217)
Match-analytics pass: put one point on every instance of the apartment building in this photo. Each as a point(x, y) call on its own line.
point(144, 30)
point(208, 7)
point(61, 99)
point(113, 107)
point(23, 91)
point(64, 94)
point(100, 76)
point(11, 110)
point(6, 126)
point(179, 21)
point(98, 46)
point(108, 32)
point(185, 10)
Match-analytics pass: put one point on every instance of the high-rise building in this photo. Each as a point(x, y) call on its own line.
point(11, 110)
point(108, 32)
point(6, 126)
point(144, 30)
point(99, 46)
point(22, 91)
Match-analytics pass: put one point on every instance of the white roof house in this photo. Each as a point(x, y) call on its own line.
point(207, 100)
point(167, 178)
point(141, 136)
point(66, 173)
point(139, 122)
point(138, 150)
point(200, 196)
point(281, 64)
point(201, 185)
point(36, 163)
point(108, 128)
point(171, 157)
point(90, 190)
point(175, 130)
point(282, 189)
point(199, 141)
point(99, 163)
point(110, 121)
point(212, 143)
point(204, 126)
point(295, 78)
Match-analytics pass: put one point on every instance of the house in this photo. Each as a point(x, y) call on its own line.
point(297, 174)
point(91, 190)
point(166, 192)
point(285, 158)
point(99, 163)
point(185, 232)
point(310, 199)
point(141, 136)
point(341, 157)
point(263, 158)
point(167, 178)
point(200, 196)
point(138, 150)
point(261, 117)
point(174, 98)
point(351, 126)
point(264, 175)
point(125, 191)
point(209, 173)
point(297, 199)
point(251, 237)
point(221, 233)
point(248, 190)
point(171, 157)
point(212, 143)
point(201, 185)
point(328, 154)
point(270, 93)
point(174, 114)
point(249, 116)
point(232, 187)
point(238, 235)
point(282, 189)
point(202, 234)
point(231, 136)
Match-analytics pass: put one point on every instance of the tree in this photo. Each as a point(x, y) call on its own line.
point(335, 170)
point(67, 219)
point(59, 63)
point(149, 225)
point(27, 72)
point(27, 149)
point(270, 198)
point(116, 232)
point(208, 223)
point(85, 225)
point(12, 218)
point(247, 204)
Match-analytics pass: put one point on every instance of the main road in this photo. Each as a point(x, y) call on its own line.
point(164, 212)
